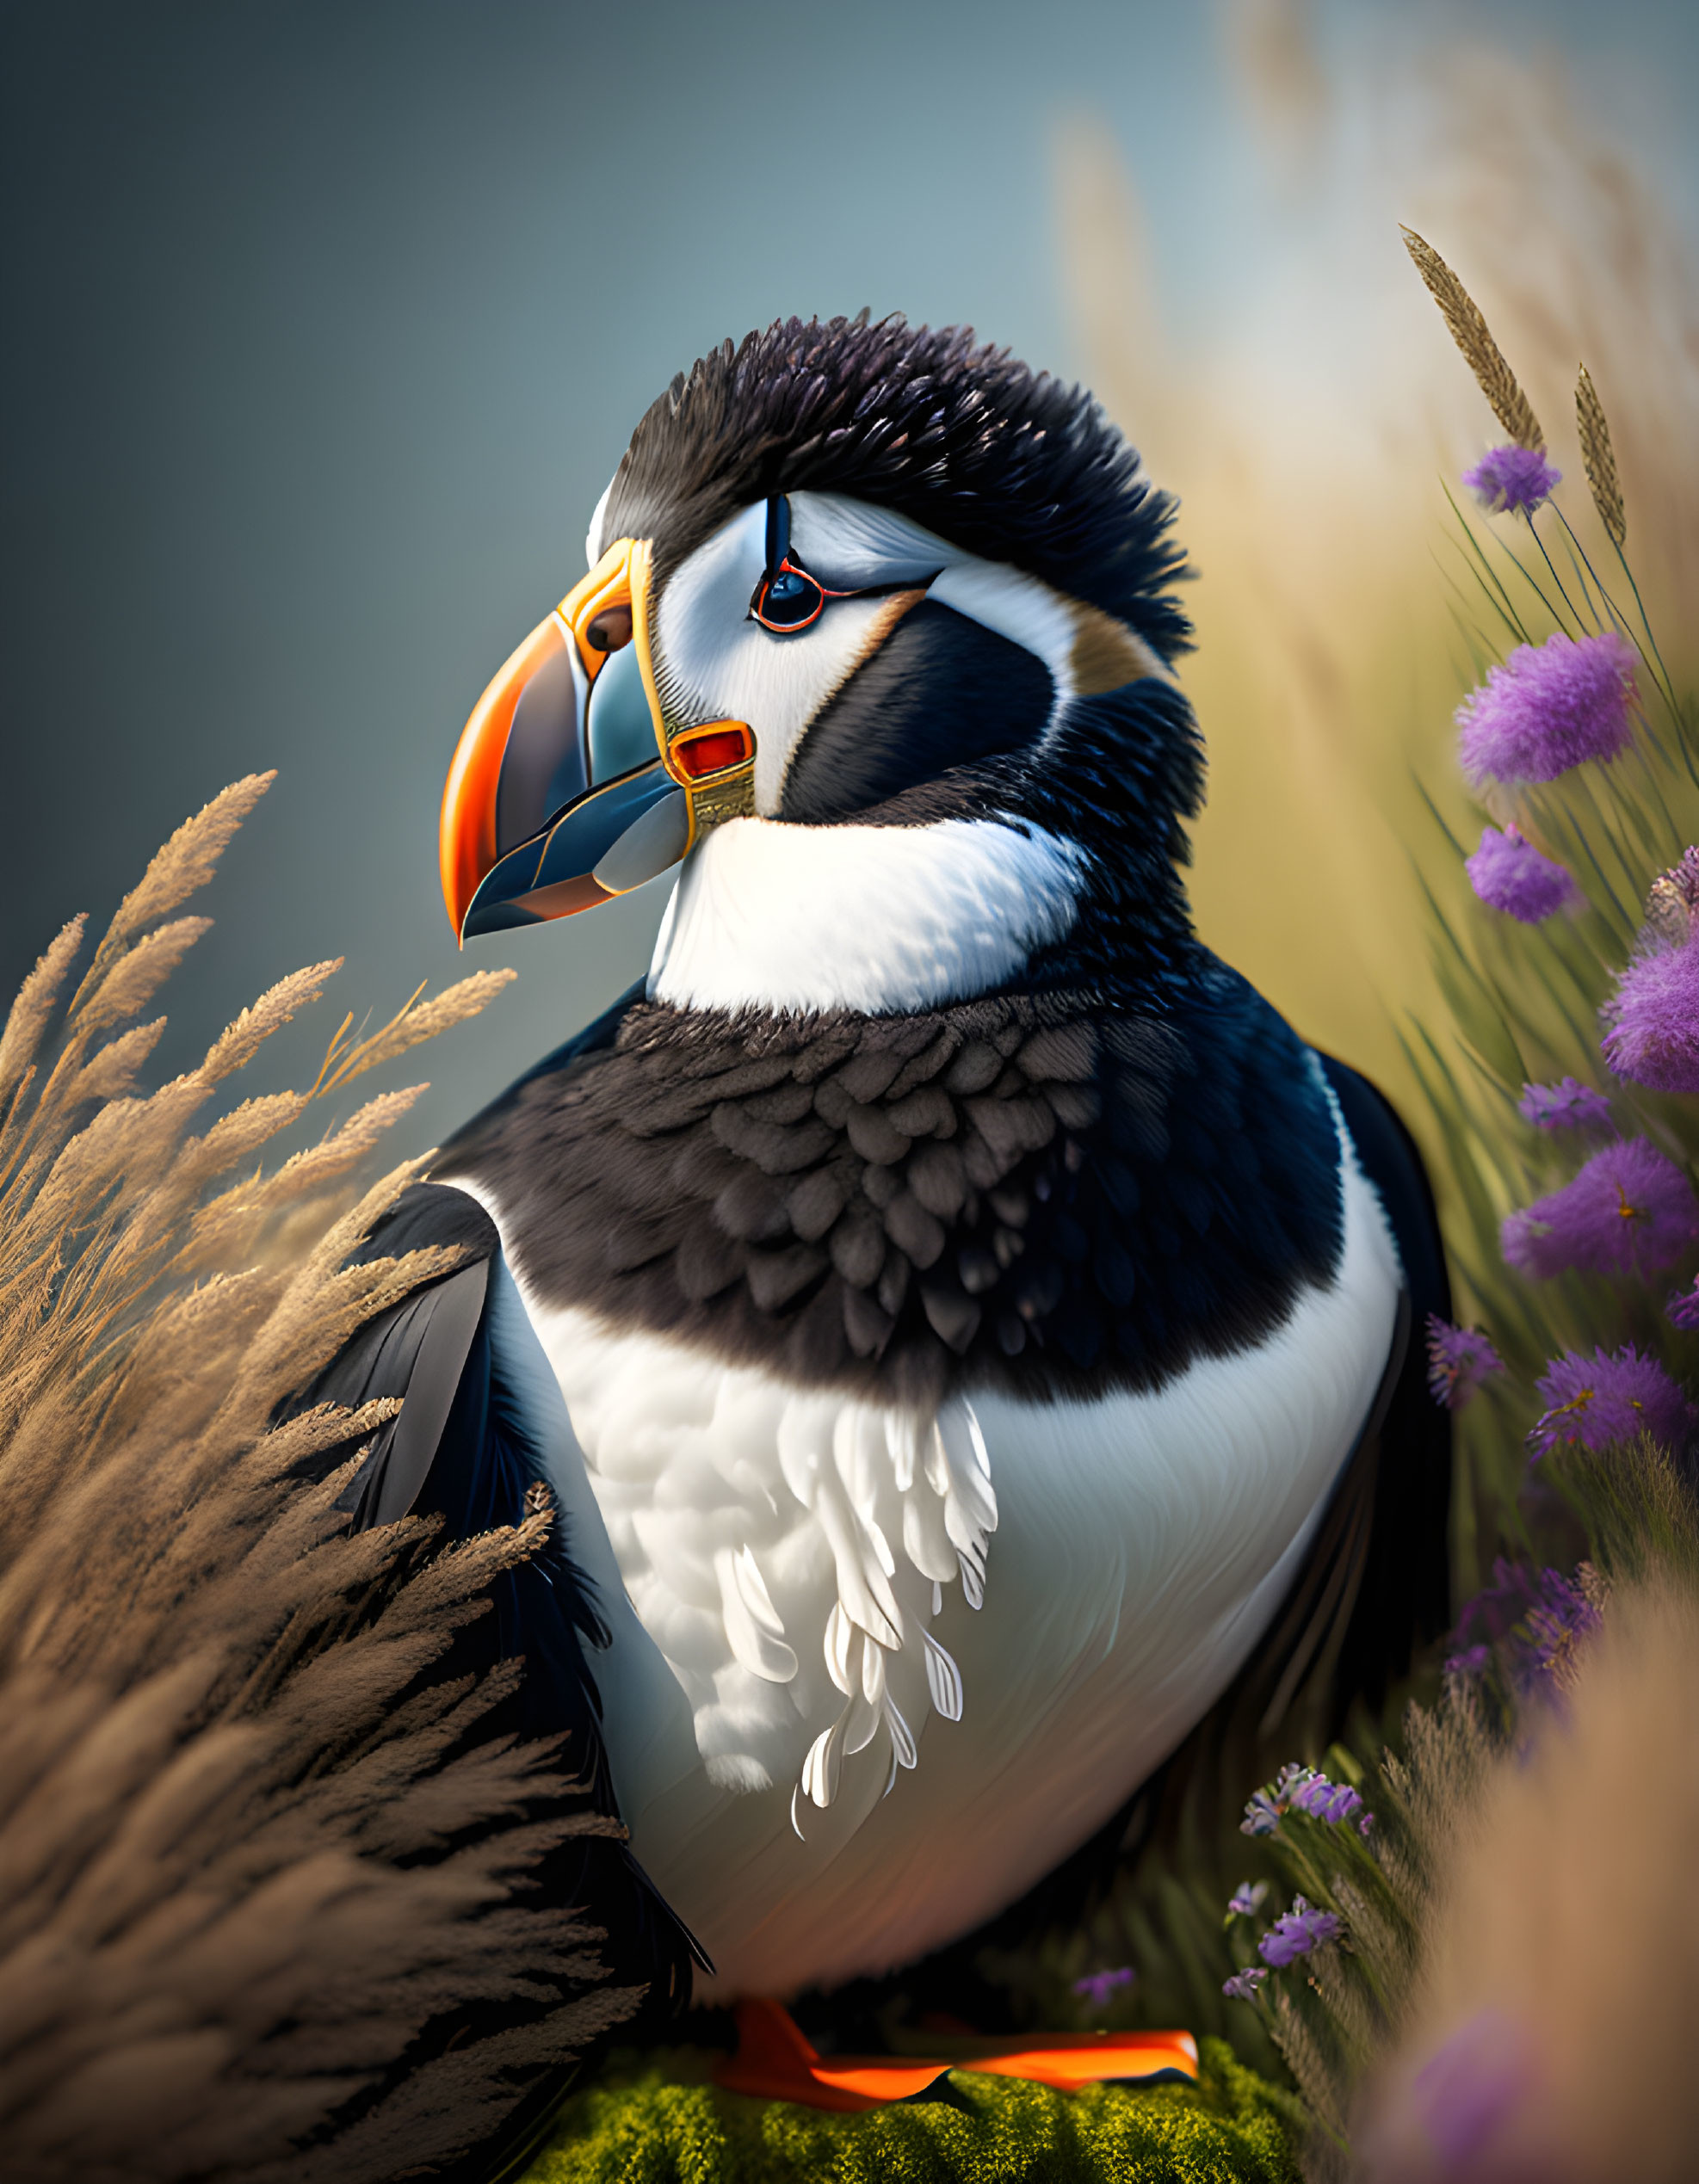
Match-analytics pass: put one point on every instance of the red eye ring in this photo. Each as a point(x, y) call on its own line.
point(800, 599)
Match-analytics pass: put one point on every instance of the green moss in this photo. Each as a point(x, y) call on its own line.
point(665, 2124)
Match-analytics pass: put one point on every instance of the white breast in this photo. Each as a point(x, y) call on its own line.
point(778, 1546)
point(790, 919)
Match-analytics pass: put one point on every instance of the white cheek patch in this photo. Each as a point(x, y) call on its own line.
point(717, 664)
point(846, 542)
point(795, 919)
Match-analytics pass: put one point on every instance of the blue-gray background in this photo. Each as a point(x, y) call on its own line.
point(325, 325)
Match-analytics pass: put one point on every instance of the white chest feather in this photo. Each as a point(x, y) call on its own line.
point(922, 1660)
point(875, 919)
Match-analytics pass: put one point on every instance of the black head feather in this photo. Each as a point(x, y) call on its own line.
point(1003, 461)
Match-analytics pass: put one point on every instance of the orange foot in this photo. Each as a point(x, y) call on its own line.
point(775, 2063)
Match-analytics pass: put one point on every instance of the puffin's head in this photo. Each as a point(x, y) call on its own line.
point(876, 637)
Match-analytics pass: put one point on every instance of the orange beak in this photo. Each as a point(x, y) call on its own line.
point(570, 785)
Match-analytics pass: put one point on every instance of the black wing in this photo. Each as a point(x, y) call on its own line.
point(471, 1441)
point(1376, 1584)
point(1404, 1590)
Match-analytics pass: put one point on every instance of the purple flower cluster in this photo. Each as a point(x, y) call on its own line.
point(1491, 1616)
point(1268, 1806)
point(1628, 1211)
point(1652, 1020)
point(1299, 1789)
point(1536, 1619)
point(1684, 1307)
point(1243, 1986)
point(1513, 479)
point(1459, 1359)
point(1325, 1800)
point(1613, 1396)
point(1549, 707)
point(1567, 1105)
point(1246, 1899)
point(1511, 876)
point(1098, 1986)
point(1295, 1933)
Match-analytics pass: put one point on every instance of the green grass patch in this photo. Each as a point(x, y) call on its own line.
point(663, 2123)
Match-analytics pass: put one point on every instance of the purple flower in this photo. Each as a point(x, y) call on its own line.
point(1244, 1984)
point(1557, 1624)
point(1459, 1359)
point(1509, 874)
point(1470, 2087)
point(1607, 1397)
point(1630, 1210)
point(1246, 1899)
point(1565, 1105)
point(1536, 1619)
point(1652, 1020)
point(1516, 478)
point(1493, 1615)
point(1098, 1986)
point(1296, 1933)
point(1548, 707)
point(1261, 1816)
point(1684, 1307)
point(1503, 1602)
point(1325, 1800)
point(1365, 1826)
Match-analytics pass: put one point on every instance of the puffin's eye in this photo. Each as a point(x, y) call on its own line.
point(789, 600)
point(610, 630)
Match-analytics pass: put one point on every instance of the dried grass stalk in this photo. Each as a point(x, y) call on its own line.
point(239, 1043)
point(1430, 1795)
point(1599, 458)
point(31, 1012)
point(1318, 2081)
point(181, 869)
point(408, 1027)
point(1482, 354)
point(262, 1908)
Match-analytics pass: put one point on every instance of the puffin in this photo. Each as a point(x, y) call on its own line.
point(960, 1330)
